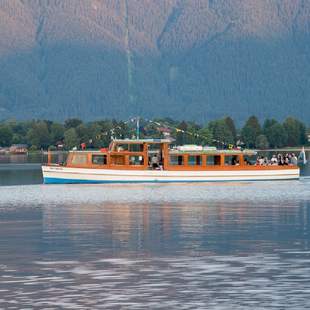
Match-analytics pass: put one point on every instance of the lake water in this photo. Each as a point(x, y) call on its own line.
point(204, 246)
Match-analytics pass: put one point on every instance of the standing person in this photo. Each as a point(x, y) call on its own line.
point(154, 161)
point(90, 144)
point(302, 156)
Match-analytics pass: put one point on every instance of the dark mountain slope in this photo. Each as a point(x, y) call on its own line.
point(190, 59)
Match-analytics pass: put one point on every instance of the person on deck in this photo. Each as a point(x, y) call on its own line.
point(274, 160)
point(294, 160)
point(155, 162)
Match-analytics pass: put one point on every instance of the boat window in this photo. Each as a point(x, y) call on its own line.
point(136, 160)
point(99, 159)
point(154, 147)
point(194, 160)
point(232, 160)
point(213, 160)
point(250, 159)
point(176, 160)
point(136, 147)
point(121, 147)
point(117, 159)
point(79, 159)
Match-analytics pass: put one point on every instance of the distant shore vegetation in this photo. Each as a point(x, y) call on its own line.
point(222, 133)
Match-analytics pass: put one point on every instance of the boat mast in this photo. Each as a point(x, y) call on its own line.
point(138, 128)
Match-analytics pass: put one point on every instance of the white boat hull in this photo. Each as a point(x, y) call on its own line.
point(63, 175)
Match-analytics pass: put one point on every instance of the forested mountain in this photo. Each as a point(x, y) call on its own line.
point(195, 59)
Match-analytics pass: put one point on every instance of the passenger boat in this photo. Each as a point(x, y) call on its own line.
point(154, 160)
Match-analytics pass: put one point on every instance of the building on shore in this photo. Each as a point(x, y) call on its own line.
point(18, 149)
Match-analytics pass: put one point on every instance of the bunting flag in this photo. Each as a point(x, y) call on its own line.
point(112, 131)
point(183, 131)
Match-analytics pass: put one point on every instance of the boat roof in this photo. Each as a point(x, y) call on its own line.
point(213, 152)
point(176, 152)
point(140, 141)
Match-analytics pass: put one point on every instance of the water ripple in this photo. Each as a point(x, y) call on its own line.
point(217, 282)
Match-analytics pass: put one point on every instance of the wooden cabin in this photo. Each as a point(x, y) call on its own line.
point(154, 160)
point(138, 154)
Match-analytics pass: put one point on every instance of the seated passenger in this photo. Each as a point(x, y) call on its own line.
point(154, 161)
point(235, 162)
point(246, 162)
point(274, 160)
point(294, 160)
point(132, 160)
point(281, 161)
point(286, 160)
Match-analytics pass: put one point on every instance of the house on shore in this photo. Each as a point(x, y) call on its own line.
point(18, 149)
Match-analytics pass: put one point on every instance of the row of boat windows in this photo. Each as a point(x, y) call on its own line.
point(196, 160)
point(174, 160)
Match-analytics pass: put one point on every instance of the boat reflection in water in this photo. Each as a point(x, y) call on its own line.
point(219, 228)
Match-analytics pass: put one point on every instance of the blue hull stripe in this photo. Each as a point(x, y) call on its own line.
point(77, 181)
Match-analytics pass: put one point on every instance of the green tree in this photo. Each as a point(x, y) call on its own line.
point(206, 137)
point(221, 132)
point(181, 133)
point(267, 124)
point(20, 130)
point(71, 138)
point(6, 135)
point(191, 136)
point(72, 123)
point(83, 132)
point(17, 139)
point(95, 130)
point(262, 142)
point(57, 132)
point(38, 135)
point(251, 131)
point(105, 133)
point(296, 132)
point(276, 135)
point(231, 125)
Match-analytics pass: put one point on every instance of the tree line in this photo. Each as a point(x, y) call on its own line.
point(46, 134)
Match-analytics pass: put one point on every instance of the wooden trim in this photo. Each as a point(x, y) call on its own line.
point(241, 160)
point(222, 162)
point(204, 161)
point(165, 155)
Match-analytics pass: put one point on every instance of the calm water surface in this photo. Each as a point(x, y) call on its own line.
point(209, 246)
